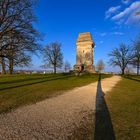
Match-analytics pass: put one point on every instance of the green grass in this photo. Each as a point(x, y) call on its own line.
point(18, 90)
point(124, 105)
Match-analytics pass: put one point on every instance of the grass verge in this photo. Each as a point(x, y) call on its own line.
point(124, 106)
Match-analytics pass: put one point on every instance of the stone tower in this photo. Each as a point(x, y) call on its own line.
point(85, 53)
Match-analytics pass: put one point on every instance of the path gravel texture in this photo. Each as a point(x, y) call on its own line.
point(57, 118)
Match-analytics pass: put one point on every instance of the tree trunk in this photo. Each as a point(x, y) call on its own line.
point(3, 66)
point(138, 70)
point(11, 66)
point(54, 69)
point(123, 71)
point(138, 66)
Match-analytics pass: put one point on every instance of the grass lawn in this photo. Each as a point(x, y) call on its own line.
point(124, 106)
point(18, 90)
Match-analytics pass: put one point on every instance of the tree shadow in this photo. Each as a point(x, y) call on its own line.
point(22, 80)
point(36, 82)
point(37, 77)
point(103, 124)
point(130, 78)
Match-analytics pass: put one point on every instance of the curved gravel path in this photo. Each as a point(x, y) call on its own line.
point(58, 118)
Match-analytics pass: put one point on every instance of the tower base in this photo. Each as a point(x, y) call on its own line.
point(84, 68)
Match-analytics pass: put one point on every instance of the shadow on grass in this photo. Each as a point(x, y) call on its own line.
point(103, 124)
point(37, 82)
point(22, 80)
point(37, 77)
point(130, 78)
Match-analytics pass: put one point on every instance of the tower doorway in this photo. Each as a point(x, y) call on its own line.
point(82, 68)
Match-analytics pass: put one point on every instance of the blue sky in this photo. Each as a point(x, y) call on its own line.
point(109, 21)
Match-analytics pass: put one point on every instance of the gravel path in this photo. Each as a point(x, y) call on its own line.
point(56, 118)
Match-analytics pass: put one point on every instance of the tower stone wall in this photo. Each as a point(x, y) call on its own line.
point(85, 53)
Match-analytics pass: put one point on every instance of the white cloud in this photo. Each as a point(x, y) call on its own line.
point(117, 33)
point(137, 13)
point(101, 42)
point(133, 19)
point(103, 34)
point(112, 10)
point(125, 1)
point(131, 9)
point(111, 33)
point(129, 15)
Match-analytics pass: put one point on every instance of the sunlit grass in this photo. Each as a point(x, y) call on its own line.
point(18, 90)
point(124, 106)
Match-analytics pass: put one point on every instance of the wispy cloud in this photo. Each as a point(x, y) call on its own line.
point(111, 33)
point(129, 15)
point(137, 13)
point(101, 42)
point(112, 10)
point(117, 33)
point(128, 11)
point(126, 1)
point(103, 34)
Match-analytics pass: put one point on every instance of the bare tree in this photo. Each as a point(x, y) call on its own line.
point(100, 65)
point(129, 70)
point(121, 57)
point(16, 15)
point(67, 66)
point(2, 61)
point(17, 34)
point(53, 56)
point(136, 52)
point(18, 59)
